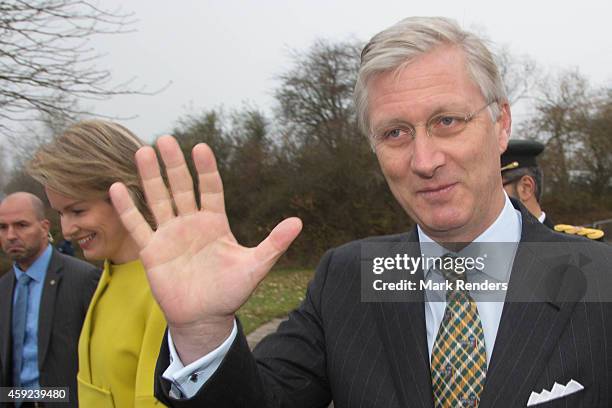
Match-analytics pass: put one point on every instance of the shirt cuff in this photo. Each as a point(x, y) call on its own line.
point(187, 380)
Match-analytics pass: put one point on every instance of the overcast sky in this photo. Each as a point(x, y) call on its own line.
point(228, 52)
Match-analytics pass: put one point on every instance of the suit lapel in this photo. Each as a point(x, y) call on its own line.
point(47, 306)
point(527, 334)
point(6, 308)
point(401, 326)
point(528, 331)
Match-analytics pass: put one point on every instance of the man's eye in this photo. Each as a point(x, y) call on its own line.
point(392, 134)
point(446, 121)
point(396, 134)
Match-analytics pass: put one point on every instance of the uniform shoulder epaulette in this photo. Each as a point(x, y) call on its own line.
point(591, 233)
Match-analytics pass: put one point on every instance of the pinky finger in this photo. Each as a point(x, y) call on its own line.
point(132, 219)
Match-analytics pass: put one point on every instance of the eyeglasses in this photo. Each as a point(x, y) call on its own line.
point(442, 125)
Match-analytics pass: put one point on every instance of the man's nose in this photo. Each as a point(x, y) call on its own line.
point(11, 233)
point(426, 155)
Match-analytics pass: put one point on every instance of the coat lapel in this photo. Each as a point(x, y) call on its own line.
point(84, 356)
point(527, 334)
point(6, 308)
point(401, 326)
point(47, 306)
point(528, 330)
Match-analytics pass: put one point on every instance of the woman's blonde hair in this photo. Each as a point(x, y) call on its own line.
point(87, 158)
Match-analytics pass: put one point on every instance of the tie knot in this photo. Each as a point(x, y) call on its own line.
point(448, 269)
point(24, 279)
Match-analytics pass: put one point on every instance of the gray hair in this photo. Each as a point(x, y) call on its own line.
point(395, 47)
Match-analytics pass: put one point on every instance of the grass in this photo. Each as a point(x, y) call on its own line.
point(279, 293)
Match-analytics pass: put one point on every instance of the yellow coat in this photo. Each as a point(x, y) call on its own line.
point(120, 341)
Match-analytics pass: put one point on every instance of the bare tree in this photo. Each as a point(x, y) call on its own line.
point(3, 169)
point(560, 100)
point(46, 62)
point(595, 155)
point(520, 73)
point(315, 99)
point(22, 146)
point(573, 118)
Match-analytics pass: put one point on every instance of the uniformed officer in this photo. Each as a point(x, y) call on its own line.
point(522, 177)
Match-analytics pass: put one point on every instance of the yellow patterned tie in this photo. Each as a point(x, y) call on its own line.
point(458, 358)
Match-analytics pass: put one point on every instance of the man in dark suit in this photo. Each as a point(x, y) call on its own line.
point(43, 301)
point(522, 177)
point(431, 101)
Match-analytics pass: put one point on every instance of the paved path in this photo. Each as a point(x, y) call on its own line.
point(262, 331)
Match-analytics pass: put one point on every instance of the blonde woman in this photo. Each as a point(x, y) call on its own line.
point(124, 326)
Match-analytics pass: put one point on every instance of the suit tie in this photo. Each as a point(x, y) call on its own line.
point(19, 325)
point(458, 357)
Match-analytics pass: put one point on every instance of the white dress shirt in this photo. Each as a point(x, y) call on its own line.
point(187, 380)
point(542, 217)
point(504, 235)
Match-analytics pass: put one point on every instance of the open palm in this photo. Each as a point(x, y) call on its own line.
point(198, 273)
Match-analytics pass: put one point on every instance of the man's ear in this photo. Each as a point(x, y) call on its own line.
point(526, 188)
point(46, 225)
point(504, 123)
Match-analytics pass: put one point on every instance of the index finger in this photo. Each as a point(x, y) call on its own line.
point(133, 221)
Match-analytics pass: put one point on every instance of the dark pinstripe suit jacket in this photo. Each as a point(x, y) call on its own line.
point(375, 354)
point(68, 288)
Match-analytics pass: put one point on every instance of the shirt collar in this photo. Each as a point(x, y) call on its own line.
point(505, 229)
point(38, 269)
point(542, 217)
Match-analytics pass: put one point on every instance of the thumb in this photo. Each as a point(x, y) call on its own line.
point(271, 248)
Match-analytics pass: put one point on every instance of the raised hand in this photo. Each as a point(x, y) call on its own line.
point(198, 273)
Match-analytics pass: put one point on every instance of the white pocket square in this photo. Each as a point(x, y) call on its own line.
point(557, 391)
